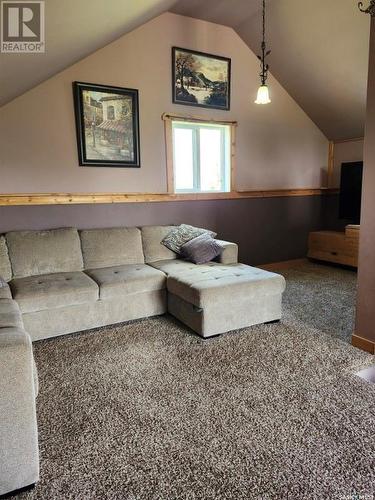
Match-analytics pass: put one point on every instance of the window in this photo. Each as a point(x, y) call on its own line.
point(110, 113)
point(201, 157)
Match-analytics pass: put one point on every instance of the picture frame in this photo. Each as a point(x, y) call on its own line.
point(200, 79)
point(107, 125)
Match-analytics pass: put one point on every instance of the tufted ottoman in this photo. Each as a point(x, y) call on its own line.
point(215, 298)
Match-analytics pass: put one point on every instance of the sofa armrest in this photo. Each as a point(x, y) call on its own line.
point(5, 292)
point(19, 459)
point(230, 253)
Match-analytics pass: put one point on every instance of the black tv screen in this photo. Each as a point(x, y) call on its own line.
point(351, 191)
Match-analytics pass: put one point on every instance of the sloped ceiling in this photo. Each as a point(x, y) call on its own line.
point(319, 47)
point(319, 53)
point(74, 29)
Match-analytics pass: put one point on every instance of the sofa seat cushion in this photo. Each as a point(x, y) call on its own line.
point(176, 266)
point(37, 293)
point(125, 280)
point(207, 285)
point(10, 315)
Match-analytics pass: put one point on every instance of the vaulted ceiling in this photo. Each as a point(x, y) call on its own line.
point(74, 29)
point(319, 53)
point(319, 48)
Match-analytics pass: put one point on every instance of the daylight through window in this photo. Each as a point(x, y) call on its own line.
point(201, 157)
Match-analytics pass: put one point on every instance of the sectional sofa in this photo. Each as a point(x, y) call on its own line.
point(61, 281)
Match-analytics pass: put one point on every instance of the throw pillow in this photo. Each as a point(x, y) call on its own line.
point(181, 235)
point(201, 249)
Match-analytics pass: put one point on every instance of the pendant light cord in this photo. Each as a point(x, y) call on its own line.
point(264, 65)
point(264, 22)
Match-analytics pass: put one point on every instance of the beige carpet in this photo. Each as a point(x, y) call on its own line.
point(147, 410)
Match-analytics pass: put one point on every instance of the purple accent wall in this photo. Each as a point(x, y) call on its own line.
point(266, 229)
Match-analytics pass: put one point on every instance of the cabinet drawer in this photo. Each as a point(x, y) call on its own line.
point(332, 244)
point(336, 257)
point(333, 247)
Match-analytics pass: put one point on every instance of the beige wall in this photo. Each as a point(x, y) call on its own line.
point(365, 324)
point(278, 146)
point(345, 152)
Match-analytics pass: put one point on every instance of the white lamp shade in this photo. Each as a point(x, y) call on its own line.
point(263, 95)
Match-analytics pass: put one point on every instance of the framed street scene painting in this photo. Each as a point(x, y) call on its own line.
point(200, 79)
point(107, 125)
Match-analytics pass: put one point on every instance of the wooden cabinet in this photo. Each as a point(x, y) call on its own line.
point(334, 246)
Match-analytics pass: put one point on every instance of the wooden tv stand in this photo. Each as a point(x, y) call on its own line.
point(335, 246)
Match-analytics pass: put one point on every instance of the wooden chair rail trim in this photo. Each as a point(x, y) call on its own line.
point(13, 199)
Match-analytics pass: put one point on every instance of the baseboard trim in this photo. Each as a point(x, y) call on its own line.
point(284, 264)
point(364, 344)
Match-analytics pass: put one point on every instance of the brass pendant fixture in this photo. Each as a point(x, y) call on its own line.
point(263, 93)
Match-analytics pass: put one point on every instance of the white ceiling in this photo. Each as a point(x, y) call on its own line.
point(319, 47)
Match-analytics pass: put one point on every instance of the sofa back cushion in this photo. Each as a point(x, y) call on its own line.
point(5, 267)
point(153, 249)
point(109, 247)
point(33, 253)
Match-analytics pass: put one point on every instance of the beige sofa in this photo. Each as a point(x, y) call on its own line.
point(62, 281)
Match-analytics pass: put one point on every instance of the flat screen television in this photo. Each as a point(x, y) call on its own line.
point(351, 191)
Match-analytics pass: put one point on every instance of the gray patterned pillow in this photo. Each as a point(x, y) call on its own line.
point(181, 235)
point(201, 249)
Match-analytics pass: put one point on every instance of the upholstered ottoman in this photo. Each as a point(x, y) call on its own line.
point(215, 298)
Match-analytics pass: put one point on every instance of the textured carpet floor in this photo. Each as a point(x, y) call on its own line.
point(323, 297)
point(147, 410)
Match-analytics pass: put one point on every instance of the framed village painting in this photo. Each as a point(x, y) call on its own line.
point(107, 125)
point(200, 79)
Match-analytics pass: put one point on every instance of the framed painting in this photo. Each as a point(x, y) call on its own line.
point(107, 124)
point(200, 79)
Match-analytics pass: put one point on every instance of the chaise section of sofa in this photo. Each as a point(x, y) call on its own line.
point(216, 298)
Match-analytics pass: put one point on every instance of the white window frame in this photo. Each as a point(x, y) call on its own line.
point(227, 151)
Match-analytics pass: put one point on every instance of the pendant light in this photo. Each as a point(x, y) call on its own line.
point(263, 94)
